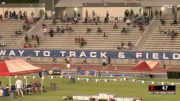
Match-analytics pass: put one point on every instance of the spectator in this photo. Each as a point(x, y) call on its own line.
point(54, 21)
point(126, 13)
point(104, 36)
point(88, 30)
point(26, 38)
point(86, 13)
point(93, 14)
point(174, 22)
point(32, 14)
point(124, 30)
point(53, 59)
point(76, 40)
point(44, 26)
point(51, 32)
point(19, 87)
point(122, 45)
point(2, 44)
point(156, 12)
point(62, 30)
point(28, 59)
point(99, 30)
point(141, 28)
point(107, 14)
point(19, 32)
point(160, 13)
point(70, 30)
point(45, 31)
point(115, 26)
point(37, 39)
point(58, 29)
point(162, 21)
point(32, 37)
point(104, 64)
point(84, 61)
point(130, 45)
point(109, 61)
point(1, 18)
point(131, 12)
point(16, 33)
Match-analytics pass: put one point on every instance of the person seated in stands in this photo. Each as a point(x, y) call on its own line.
point(67, 28)
point(51, 32)
point(45, 31)
point(16, 33)
point(76, 40)
point(32, 37)
point(88, 30)
point(128, 22)
point(99, 30)
point(162, 21)
point(141, 27)
point(104, 36)
point(75, 20)
point(121, 47)
point(62, 30)
point(174, 22)
point(1, 18)
point(26, 38)
point(124, 30)
point(19, 32)
point(58, 29)
point(27, 45)
point(44, 25)
point(106, 19)
point(2, 44)
point(115, 26)
point(70, 30)
point(129, 45)
point(82, 42)
point(86, 19)
point(173, 34)
point(169, 32)
point(79, 39)
point(54, 21)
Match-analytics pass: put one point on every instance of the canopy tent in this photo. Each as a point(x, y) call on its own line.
point(17, 67)
point(145, 65)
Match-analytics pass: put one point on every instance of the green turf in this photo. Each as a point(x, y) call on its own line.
point(119, 88)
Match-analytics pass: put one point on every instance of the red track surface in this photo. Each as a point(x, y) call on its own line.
point(117, 69)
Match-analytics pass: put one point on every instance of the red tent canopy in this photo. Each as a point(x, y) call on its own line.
point(145, 65)
point(17, 67)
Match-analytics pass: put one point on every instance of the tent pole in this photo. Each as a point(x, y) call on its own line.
point(26, 81)
point(42, 84)
point(10, 83)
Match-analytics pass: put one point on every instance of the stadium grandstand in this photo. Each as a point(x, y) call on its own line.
point(103, 35)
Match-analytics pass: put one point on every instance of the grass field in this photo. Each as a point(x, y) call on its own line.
point(82, 87)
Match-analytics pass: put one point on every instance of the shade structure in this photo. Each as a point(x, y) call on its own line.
point(145, 65)
point(17, 67)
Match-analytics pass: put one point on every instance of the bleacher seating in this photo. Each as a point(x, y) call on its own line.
point(94, 40)
point(156, 41)
point(7, 32)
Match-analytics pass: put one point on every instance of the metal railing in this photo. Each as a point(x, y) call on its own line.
point(144, 33)
point(35, 29)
